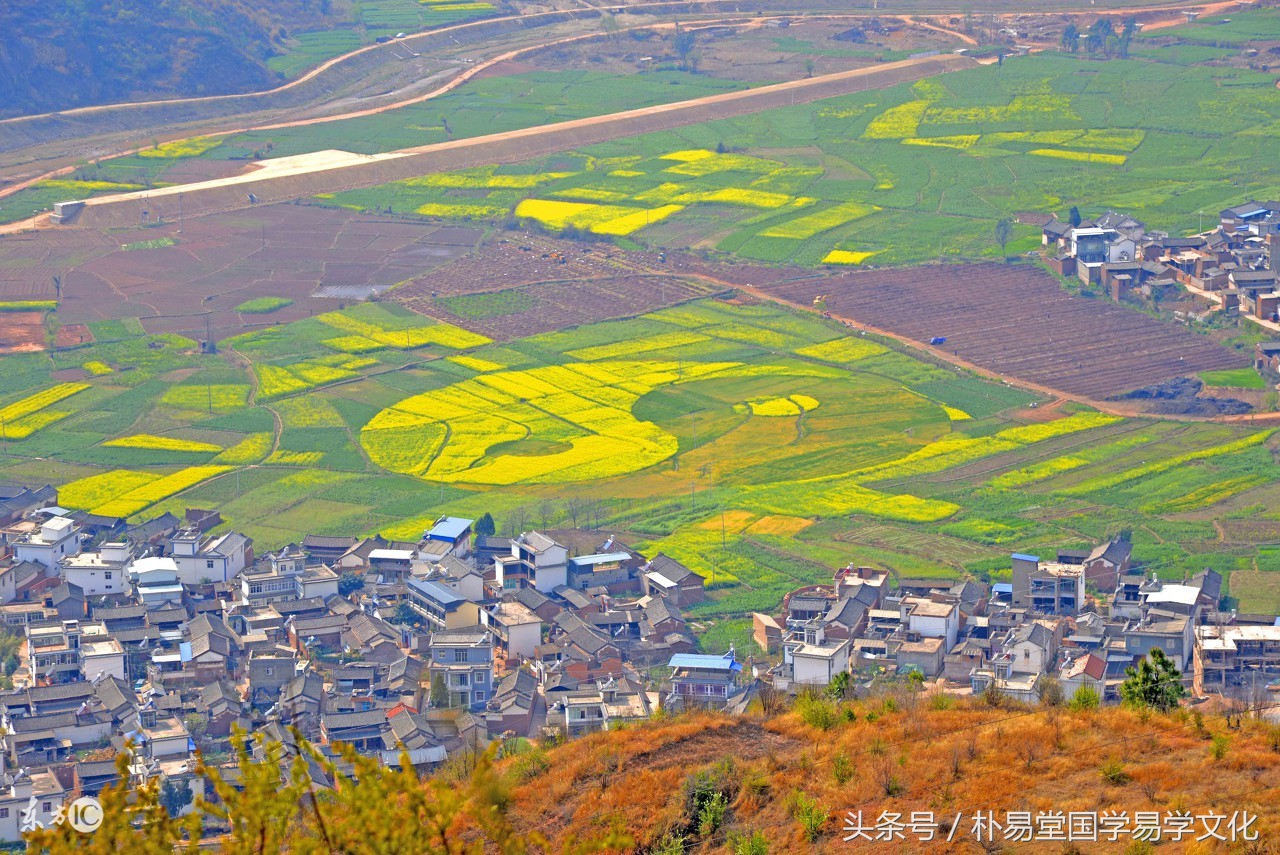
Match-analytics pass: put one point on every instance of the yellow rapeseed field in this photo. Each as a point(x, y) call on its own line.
point(161, 443)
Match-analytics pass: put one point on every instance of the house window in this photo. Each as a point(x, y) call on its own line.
point(459, 656)
point(4, 813)
point(107, 575)
point(479, 678)
point(268, 672)
point(48, 807)
point(479, 696)
point(208, 565)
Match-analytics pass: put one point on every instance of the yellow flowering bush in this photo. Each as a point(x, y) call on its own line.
point(218, 397)
point(161, 443)
point(353, 344)
point(1037, 472)
point(1115, 479)
point(193, 147)
point(96, 490)
point(475, 363)
point(961, 141)
point(86, 187)
point(842, 350)
point(295, 458)
point(846, 256)
point(897, 123)
point(641, 345)
point(1082, 156)
point(142, 497)
point(461, 212)
point(806, 227)
point(689, 155)
point(251, 449)
point(28, 415)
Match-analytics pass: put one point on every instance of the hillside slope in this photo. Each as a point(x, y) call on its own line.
point(59, 54)
point(794, 783)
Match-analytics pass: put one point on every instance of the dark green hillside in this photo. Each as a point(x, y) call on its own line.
point(59, 54)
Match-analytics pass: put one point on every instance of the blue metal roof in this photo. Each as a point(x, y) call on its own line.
point(704, 662)
point(1022, 556)
point(600, 558)
point(435, 591)
point(1002, 588)
point(449, 528)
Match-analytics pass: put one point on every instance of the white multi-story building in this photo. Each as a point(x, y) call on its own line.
point(99, 573)
point(56, 539)
point(201, 559)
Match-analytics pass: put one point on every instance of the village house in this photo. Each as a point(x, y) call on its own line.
point(665, 575)
point(450, 536)
point(699, 679)
point(202, 560)
point(440, 607)
point(1049, 588)
point(462, 661)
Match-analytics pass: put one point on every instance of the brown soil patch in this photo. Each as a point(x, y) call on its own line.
point(72, 335)
point(1016, 321)
point(21, 332)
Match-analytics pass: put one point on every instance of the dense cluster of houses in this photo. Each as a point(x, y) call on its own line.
point(1076, 621)
point(160, 638)
point(157, 640)
point(1230, 266)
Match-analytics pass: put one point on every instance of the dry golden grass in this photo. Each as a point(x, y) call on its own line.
point(961, 759)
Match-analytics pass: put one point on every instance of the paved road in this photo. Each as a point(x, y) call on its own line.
point(284, 179)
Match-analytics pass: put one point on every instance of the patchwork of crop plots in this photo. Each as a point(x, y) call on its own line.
point(913, 172)
point(1086, 347)
point(759, 444)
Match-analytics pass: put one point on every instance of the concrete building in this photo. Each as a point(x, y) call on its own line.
point(441, 607)
point(55, 539)
point(463, 659)
point(544, 562)
point(100, 573)
point(201, 559)
point(449, 536)
point(930, 619)
point(1049, 588)
point(517, 630)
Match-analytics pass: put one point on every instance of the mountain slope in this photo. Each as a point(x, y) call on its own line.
point(793, 784)
point(59, 54)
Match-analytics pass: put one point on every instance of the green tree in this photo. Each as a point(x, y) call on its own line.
point(439, 692)
point(1085, 698)
point(404, 613)
point(1070, 38)
point(1004, 231)
point(1074, 218)
point(838, 688)
point(1096, 38)
point(485, 525)
point(349, 583)
point(175, 798)
point(684, 41)
point(197, 725)
point(1156, 683)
